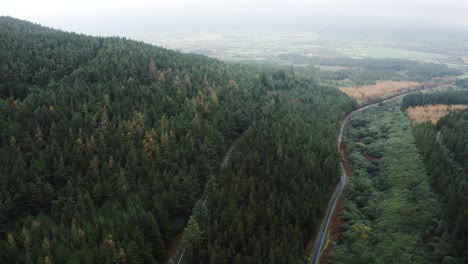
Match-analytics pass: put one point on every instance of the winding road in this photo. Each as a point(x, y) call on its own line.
point(321, 238)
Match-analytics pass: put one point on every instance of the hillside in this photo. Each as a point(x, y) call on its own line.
point(270, 200)
point(107, 143)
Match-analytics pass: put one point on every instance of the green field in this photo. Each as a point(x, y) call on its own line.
point(384, 52)
point(264, 45)
point(464, 76)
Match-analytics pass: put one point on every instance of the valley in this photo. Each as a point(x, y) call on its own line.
point(386, 173)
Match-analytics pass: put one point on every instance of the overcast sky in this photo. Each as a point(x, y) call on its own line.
point(116, 17)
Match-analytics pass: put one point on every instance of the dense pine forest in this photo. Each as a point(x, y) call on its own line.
point(107, 146)
point(448, 177)
point(261, 210)
point(444, 147)
point(439, 97)
point(107, 143)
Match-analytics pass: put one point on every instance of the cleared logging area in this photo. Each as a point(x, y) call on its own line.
point(433, 113)
point(381, 90)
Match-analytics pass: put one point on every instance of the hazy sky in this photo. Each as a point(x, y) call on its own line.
point(116, 17)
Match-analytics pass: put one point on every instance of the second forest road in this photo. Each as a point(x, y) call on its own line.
point(320, 239)
point(179, 256)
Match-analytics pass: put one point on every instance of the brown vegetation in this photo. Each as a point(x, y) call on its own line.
point(381, 90)
point(433, 113)
point(336, 221)
point(335, 230)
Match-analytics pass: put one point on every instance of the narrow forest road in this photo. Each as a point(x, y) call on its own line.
point(179, 256)
point(320, 239)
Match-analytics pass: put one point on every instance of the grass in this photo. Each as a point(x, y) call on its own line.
point(464, 76)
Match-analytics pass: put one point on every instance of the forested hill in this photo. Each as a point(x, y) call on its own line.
point(35, 55)
point(106, 142)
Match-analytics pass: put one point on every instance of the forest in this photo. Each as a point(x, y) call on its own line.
point(439, 97)
point(107, 146)
point(445, 153)
point(107, 143)
point(258, 209)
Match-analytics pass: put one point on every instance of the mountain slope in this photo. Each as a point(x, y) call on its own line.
point(106, 142)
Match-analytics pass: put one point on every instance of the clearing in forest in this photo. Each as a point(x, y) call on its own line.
point(381, 90)
point(433, 113)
